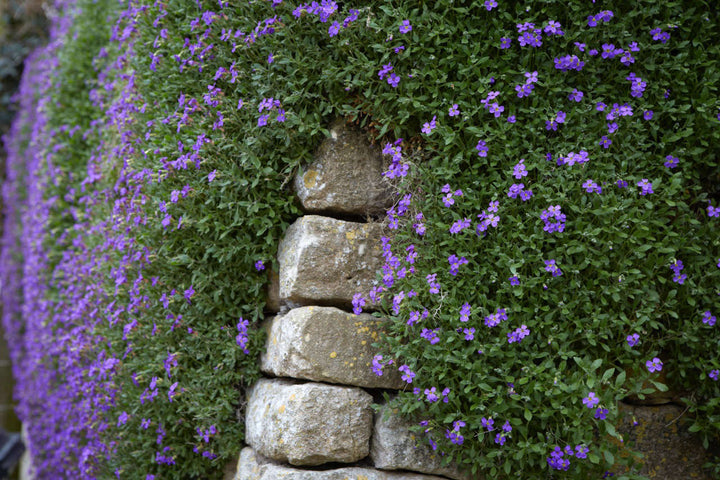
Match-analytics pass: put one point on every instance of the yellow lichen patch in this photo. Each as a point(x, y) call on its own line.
point(350, 236)
point(274, 340)
point(281, 409)
point(333, 354)
point(310, 178)
point(364, 342)
point(292, 397)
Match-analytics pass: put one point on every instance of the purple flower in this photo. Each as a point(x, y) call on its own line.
point(709, 318)
point(590, 187)
point(511, 119)
point(469, 333)
point(334, 29)
point(431, 395)
point(405, 27)
point(211, 176)
point(384, 71)
point(378, 365)
point(482, 148)
point(514, 280)
point(393, 80)
point(714, 374)
point(358, 302)
point(671, 162)
point(550, 266)
point(633, 339)
point(490, 4)
point(622, 184)
point(487, 423)
point(505, 42)
point(455, 262)
point(465, 312)
point(259, 266)
point(591, 400)
point(454, 110)
point(713, 211)
point(605, 142)
point(408, 374)
point(519, 170)
point(601, 413)
point(576, 95)
point(654, 365)
point(500, 439)
point(122, 419)
point(428, 127)
point(430, 335)
point(646, 186)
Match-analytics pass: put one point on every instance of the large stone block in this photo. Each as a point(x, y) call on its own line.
point(309, 423)
point(345, 176)
point(661, 434)
point(326, 344)
point(396, 447)
point(326, 261)
point(253, 466)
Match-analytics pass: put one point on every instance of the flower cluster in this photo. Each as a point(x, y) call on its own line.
point(553, 218)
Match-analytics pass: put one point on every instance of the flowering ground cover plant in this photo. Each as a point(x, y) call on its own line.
point(554, 246)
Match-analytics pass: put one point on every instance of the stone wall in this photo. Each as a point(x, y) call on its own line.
point(311, 417)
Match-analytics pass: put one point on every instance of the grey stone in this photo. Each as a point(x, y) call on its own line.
point(661, 434)
point(326, 261)
point(326, 344)
point(345, 176)
point(395, 447)
point(309, 423)
point(253, 466)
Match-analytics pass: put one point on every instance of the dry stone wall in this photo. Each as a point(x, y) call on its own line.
point(311, 417)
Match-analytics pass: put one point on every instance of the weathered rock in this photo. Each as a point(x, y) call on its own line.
point(345, 176)
point(326, 261)
point(395, 447)
point(309, 423)
point(670, 452)
point(253, 466)
point(273, 292)
point(326, 344)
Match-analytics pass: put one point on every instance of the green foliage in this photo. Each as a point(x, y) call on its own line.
point(615, 252)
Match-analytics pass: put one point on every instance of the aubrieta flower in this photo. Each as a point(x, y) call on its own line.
point(659, 35)
point(590, 187)
point(494, 319)
point(568, 62)
point(384, 71)
point(556, 460)
point(211, 176)
point(259, 266)
point(428, 127)
point(671, 162)
point(490, 4)
point(601, 413)
point(553, 212)
point(709, 318)
point(500, 439)
point(434, 286)
point(454, 110)
point(430, 335)
point(713, 211)
point(416, 316)
point(505, 42)
point(646, 186)
point(487, 423)
point(393, 80)
point(455, 262)
point(677, 266)
point(431, 395)
point(496, 109)
point(378, 365)
point(518, 334)
point(408, 374)
point(519, 170)
point(654, 365)
point(358, 301)
point(405, 27)
point(514, 280)
point(334, 29)
point(465, 312)
point(469, 333)
point(524, 90)
point(633, 339)
point(622, 184)
point(551, 266)
point(591, 400)
point(576, 95)
point(714, 374)
point(605, 142)
point(482, 148)
point(553, 28)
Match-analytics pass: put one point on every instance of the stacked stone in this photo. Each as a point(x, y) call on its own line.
point(313, 409)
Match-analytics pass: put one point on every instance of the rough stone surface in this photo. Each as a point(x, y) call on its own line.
point(273, 292)
point(670, 451)
point(345, 176)
point(253, 466)
point(326, 261)
point(395, 447)
point(326, 344)
point(310, 423)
